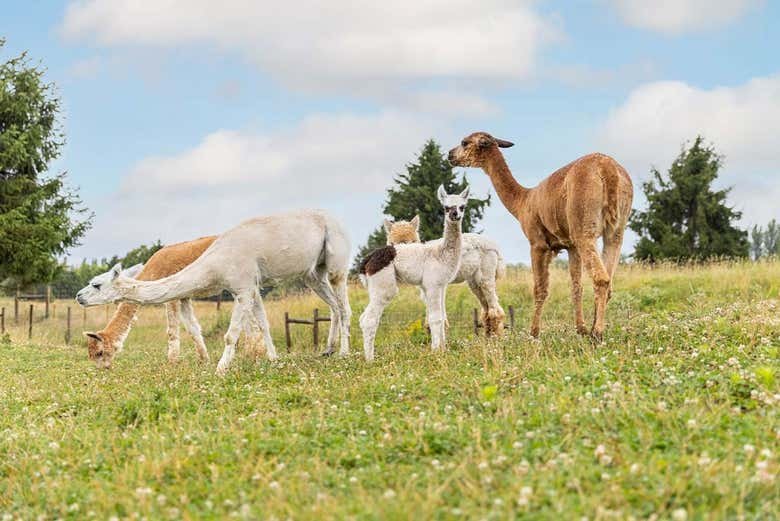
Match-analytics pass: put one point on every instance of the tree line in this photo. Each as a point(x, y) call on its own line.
point(41, 218)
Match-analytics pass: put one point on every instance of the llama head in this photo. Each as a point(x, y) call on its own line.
point(454, 204)
point(101, 349)
point(104, 289)
point(403, 232)
point(475, 148)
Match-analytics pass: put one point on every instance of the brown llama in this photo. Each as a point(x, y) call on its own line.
point(585, 200)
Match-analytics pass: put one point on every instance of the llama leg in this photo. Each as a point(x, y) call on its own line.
point(174, 341)
point(494, 320)
point(611, 256)
point(321, 286)
point(258, 314)
point(436, 317)
point(338, 282)
point(382, 288)
point(601, 282)
point(193, 328)
point(575, 272)
point(240, 308)
point(540, 265)
point(475, 285)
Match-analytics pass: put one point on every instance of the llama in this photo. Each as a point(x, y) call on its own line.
point(103, 345)
point(481, 265)
point(428, 265)
point(570, 210)
point(307, 244)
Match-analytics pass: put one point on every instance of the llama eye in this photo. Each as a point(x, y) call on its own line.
point(96, 286)
point(462, 208)
point(464, 143)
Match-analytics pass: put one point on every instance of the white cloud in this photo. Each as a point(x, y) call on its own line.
point(340, 162)
point(743, 123)
point(679, 16)
point(316, 45)
point(86, 68)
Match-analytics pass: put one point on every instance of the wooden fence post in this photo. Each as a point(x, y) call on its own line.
point(287, 330)
point(511, 317)
point(48, 300)
point(67, 328)
point(29, 329)
point(2, 322)
point(219, 300)
point(16, 307)
point(315, 328)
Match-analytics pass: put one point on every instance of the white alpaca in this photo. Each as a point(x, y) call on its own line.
point(309, 244)
point(481, 265)
point(430, 266)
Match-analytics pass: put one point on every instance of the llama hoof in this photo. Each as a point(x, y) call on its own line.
point(582, 330)
point(221, 371)
point(597, 336)
point(328, 352)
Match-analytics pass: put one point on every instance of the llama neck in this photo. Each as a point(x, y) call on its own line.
point(452, 236)
point(118, 327)
point(186, 283)
point(511, 193)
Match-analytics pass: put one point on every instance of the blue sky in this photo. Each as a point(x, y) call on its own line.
point(185, 117)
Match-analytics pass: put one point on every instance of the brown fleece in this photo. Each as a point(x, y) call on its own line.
point(377, 260)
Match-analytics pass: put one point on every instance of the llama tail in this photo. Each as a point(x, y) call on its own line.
point(500, 266)
point(611, 204)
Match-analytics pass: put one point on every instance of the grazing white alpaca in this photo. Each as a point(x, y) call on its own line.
point(310, 245)
point(430, 265)
point(481, 265)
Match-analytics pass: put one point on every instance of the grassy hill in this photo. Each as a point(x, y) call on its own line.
point(676, 416)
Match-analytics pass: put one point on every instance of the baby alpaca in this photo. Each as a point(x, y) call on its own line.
point(431, 266)
point(481, 265)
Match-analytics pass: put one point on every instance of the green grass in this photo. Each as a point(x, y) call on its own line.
point(674, 417)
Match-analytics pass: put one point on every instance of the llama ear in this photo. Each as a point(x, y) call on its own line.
point(388, 225)
point(416, 222)
point(485, 141)
point(116, 270)
point(504, 144)
point(94, 336)
point(133, 271)
point(465, 193)
point(442, 194)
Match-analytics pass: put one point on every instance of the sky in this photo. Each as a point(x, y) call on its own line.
point(185, 117)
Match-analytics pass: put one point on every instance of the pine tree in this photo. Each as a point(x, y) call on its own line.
point(38, 214)
point(686, 218)
point(414, 193)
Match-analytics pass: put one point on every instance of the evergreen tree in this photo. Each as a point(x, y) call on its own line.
point(39, 215)
point(686, 218)
point(414, 193)
point(757, 242)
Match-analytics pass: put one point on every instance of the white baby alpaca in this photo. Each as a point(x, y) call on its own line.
point(431, 266)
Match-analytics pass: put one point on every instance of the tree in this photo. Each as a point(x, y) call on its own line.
point(765, 242)
point(686, 218)
point(40, 218)
point(757, 242)
point(414, 193)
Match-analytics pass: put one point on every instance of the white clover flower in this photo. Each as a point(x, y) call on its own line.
point(389, 494)
point(749, 449)
point(274, 485)
point(680, 514)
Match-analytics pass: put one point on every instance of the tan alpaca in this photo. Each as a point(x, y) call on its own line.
point(481, 265)
point(586, 199)
point(104, 344)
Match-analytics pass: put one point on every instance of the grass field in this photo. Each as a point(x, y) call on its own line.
point(675, 417)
